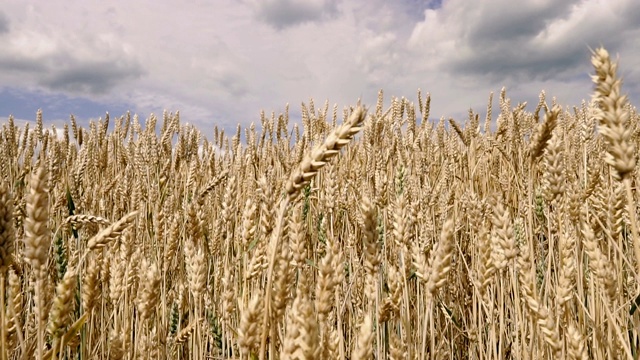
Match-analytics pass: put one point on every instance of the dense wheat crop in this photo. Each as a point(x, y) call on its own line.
point(363, 234)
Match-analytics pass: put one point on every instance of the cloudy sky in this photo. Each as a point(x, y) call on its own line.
point(222, 61)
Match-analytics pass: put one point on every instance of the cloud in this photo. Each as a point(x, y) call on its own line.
point(76, 65)
point(95, 77)
point(4, 23)
point(221, 71)
point(501, 40)
point(282, 14)
point(222, 62)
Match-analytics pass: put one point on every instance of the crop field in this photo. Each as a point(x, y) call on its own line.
point(363, 233)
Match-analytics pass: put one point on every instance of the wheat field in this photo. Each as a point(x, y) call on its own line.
point(362, 234)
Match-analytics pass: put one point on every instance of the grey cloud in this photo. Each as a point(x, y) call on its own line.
point(4, 23)
point(232, 84)
point(21, 65)
point(282, 14)
point(512, 21)
point(518, 46)
point(67, 72)
point(629, 14)
point(498, 63)
point(94, 77)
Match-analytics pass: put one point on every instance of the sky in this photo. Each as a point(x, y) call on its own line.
point(220, 62)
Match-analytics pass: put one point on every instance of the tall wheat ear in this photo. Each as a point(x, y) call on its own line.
point(7, 239)
point(612, 115)
point(38, 237)
point(7, 232)
point(614, 125)
point(301, 176)
point(37, 242)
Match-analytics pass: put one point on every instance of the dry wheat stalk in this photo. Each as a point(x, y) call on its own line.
point(301, 176)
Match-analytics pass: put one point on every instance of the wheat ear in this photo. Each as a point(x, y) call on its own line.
point(612, 115)
point(59, 317)
point(543, 133)
point(7, 232)
point(37, 242)
point(7, 239)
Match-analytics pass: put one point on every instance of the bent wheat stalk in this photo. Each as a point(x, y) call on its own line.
point(300, 177)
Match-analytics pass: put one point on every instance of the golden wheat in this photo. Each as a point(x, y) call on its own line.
point(516, 238)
